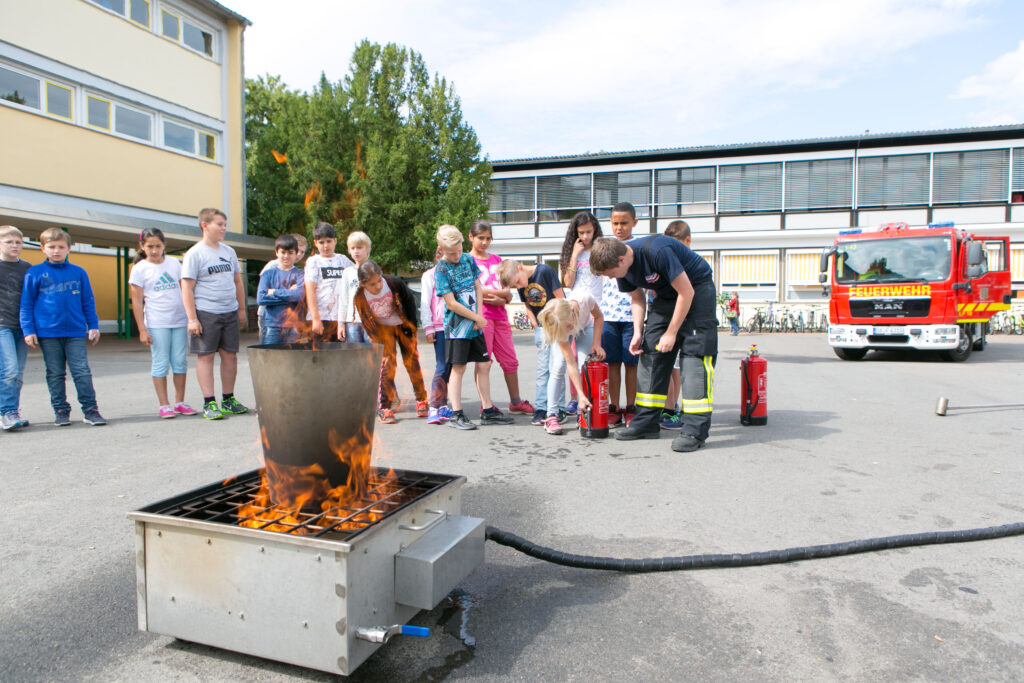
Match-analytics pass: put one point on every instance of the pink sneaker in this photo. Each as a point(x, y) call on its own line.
point(521, 406)
point(551, 425)
point(166, 412)
point(185, 409)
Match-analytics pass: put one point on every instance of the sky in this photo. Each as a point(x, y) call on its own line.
point(540, 78)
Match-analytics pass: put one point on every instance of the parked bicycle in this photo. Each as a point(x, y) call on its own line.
point(521, 321)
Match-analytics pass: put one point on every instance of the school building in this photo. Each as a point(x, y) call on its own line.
point(761, 213)
point(117, 115)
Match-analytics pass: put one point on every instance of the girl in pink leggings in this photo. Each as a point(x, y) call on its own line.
point(498, 331)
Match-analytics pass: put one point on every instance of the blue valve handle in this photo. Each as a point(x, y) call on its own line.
point(415, 631)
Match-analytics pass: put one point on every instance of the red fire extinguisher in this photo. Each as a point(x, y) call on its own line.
point(594, 420)
point(753, 389)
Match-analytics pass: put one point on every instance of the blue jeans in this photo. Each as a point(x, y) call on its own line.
point(734, 324)
point(355, 334)
point(278, 335)
point(543, 373)
point(442, 373)
point(556, 367)
point(67, 352)
point(13, 354)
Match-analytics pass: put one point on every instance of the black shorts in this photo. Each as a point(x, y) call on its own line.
point(463, 351)
point(220, 332)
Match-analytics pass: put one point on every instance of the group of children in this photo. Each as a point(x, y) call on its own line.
point(199, 305)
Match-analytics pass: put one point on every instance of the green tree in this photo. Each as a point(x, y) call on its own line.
point(385, 150)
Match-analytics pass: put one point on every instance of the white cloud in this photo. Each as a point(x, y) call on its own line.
point(538, 77)
point(999, 88)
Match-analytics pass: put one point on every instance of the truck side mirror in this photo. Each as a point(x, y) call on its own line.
point(825, 256)
point(973, 271)
point(822, 278)
point(975, 256)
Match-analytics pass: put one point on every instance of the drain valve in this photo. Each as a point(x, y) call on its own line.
point(382, 634)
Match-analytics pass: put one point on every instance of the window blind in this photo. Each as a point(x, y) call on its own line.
point(1017, 181)
point(749, 187)
point(624, 186)
point(976, 176)
point(754, 269)
point(563, 192)
point(892, 180)
point(819, 184)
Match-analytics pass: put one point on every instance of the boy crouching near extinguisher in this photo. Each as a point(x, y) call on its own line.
point(387, 309)
point(564, 320)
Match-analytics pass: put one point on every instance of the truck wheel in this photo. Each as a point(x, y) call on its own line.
point(851, 354)
point(963, 348)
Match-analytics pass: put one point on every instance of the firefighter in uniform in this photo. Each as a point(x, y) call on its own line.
point(681, 318)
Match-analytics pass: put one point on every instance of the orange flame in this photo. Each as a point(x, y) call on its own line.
point(278, 157)
point(313, 194)
point(293, 487)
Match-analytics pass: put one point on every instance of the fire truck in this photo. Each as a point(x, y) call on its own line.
point(925, 288)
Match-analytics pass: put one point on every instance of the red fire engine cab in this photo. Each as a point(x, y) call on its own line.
point(927, 288)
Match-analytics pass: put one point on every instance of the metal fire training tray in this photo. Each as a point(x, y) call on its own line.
point(217, 505)
point(310, 594)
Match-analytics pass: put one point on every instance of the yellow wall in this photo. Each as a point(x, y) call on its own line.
point(60, 157)
point(102, 272)
point(90, 38)
point(235, 132)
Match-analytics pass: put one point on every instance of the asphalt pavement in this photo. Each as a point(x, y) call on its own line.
point(851, 450)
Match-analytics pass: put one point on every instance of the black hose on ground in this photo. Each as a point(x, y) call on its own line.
point(813, 552)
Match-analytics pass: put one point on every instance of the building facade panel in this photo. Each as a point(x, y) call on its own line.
point(980, 214)
point(832, 219)
point(96, 166)
point(98, 41)
point(757, 222)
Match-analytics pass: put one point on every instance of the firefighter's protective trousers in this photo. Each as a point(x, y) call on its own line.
point(698, 342)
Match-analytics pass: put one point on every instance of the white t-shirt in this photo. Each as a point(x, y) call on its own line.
point(326, 273)
point(585, 279)
point(214, 273)
point(346, 292)
point(383, 306)
point(161, 292)
point(587, 303)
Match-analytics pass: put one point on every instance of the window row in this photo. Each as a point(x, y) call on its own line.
point(173, 25)
point(101, 112)
point(875, 181)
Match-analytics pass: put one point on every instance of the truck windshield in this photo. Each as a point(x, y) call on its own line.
point(895, 259)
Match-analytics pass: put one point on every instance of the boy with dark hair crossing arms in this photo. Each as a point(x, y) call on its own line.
point(682, 317)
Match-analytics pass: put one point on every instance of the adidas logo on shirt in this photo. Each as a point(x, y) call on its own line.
point(164, 283)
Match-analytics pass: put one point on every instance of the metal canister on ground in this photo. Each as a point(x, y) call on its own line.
point(753, 389)
point(594, 420)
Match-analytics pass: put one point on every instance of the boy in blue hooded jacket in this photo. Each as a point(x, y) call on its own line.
point(58, 315)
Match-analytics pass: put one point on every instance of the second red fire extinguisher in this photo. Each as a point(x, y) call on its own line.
point(594, 420)
point(753, 389)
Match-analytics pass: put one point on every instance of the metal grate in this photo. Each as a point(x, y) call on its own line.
point(389, 492)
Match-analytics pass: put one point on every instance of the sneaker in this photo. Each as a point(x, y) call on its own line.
point(422, 410)
point(563, 417)
point(614, 416)
point(445, 413)
point(22, 422)
point(211, 411)
point(185, 409)
point(62, 419)
point(552, 426)
point(520, 406)
point(10, 422)
point(433, 417)
point(386, 416)
point(573, 407)
point(231, 406)
point(538, 418)
point(686, 443)
point(493, 416)
point(93, 417)
point(628, 414)
point(670, 419)
point(167, 412)
point(460, 421)
point(632, 434)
